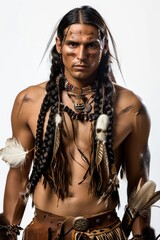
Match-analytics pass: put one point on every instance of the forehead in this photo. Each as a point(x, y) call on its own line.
point(76, 31)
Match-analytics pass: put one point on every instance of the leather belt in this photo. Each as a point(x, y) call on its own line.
point(105, 219)
point(80, 223)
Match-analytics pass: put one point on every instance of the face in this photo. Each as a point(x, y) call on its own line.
point(81, 52)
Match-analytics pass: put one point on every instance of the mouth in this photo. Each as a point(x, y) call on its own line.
point(80, 66)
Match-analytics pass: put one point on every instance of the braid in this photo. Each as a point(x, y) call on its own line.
point(38, 141)
point(103, 104)
point(42, 154)
point(54, 168)
point(106, 77)
point(108, 109)
point(43, 146)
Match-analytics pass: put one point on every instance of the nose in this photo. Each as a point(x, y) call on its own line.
point(81, 55)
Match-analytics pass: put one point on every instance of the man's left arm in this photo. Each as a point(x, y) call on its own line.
point(137, 159)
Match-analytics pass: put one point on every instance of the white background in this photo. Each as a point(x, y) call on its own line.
point(25, 28)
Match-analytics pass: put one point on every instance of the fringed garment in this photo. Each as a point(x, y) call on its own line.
point(101, 234)
point(48, 226)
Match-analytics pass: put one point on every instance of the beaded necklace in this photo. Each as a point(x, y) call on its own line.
point(80, 91)
point(82, 104)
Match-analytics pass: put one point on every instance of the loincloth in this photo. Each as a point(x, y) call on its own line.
point(47, 226)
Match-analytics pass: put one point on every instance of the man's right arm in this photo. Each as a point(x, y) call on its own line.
point(14, 204)
point(17, 178)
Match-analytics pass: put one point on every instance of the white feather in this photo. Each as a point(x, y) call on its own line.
point(58, 119)
point(13, 153)
point(140, 198)
point(139, 202)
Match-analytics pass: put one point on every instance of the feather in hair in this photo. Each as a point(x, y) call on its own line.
point(106, 195)
point(106, 163)
point(58, 120)
point(13, 153)
point(112, 186)
point(99, 153)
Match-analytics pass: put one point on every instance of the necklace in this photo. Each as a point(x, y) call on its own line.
point(79, 116)
point(68, 87)
point(78, 96)
point(81, 103)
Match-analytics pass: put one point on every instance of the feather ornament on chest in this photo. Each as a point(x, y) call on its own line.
point(58, 120)
point(13, 153)
point(101, 127)
point(101, 133)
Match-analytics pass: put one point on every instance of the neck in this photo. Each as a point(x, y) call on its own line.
point(80, 81)
point(82, 90)
point(81, 84)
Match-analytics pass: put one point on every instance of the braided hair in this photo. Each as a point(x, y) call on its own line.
point(44, 143)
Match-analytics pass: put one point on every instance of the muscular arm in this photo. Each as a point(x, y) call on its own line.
point(17, 178)
point(136, 155)
point(15, 184)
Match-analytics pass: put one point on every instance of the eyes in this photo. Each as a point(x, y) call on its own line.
point(90, 45)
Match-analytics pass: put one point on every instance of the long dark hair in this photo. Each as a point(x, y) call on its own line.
point(44, 144)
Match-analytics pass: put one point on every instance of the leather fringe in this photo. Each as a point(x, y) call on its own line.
point(101, 234)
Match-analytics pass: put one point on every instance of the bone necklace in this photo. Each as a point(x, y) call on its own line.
point(82, 104)
point(78, 96)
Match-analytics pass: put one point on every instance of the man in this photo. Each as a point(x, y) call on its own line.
point(79, 129)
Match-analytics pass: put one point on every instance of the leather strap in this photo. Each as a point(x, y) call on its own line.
point(80, 223)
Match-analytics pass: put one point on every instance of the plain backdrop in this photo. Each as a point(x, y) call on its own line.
point(25, 28)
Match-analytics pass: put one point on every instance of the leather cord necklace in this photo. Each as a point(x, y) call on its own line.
point(82, 104)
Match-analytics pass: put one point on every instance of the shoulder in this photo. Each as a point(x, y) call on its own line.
point(31, 93)
point(127, 101)
point(28, 101)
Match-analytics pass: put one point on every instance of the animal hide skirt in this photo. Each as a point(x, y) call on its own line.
point(47, 226)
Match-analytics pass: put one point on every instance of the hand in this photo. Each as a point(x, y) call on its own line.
point(147, 234)
point(7, 231)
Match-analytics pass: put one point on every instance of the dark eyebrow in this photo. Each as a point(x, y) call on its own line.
point(88, 42)
point(70, 41)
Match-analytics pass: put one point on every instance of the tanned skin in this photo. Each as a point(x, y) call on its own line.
point(81, 54)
